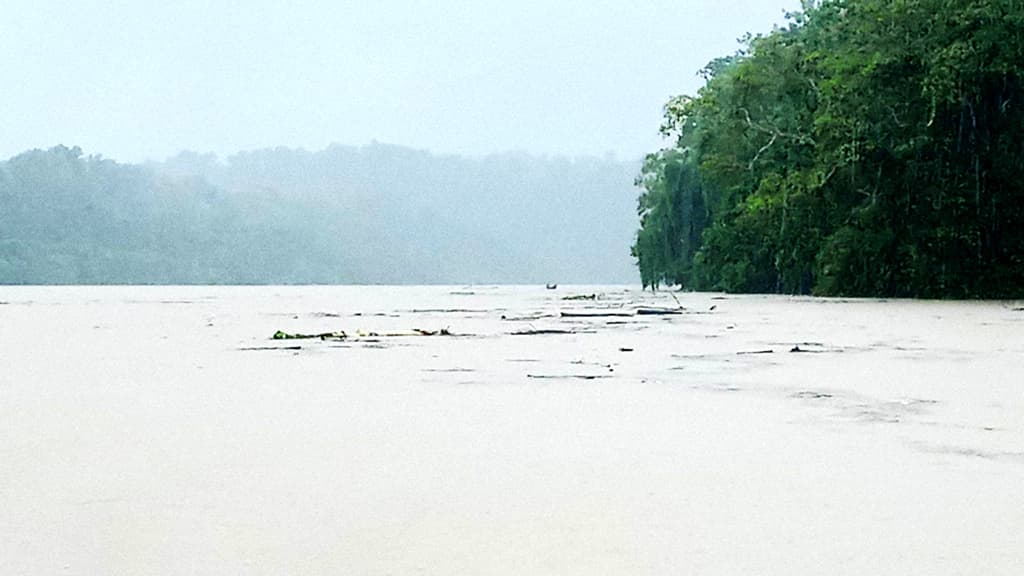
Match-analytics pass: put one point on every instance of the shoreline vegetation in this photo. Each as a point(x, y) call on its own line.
point(376, 214)
point(868, 148)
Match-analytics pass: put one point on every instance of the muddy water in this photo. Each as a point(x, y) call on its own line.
point(161, 431)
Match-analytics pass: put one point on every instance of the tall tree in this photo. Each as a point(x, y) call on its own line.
point(871, 147)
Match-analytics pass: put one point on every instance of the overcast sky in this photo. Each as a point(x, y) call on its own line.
point(145, 79)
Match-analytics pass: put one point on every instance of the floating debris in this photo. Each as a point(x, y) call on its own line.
point(341, 335)
point(658, 311)
point(526, 318)
point(581, 297)
point(441, 332)
point(401, 333)
point(281, 335)
point(798, 349)
point(812, 395)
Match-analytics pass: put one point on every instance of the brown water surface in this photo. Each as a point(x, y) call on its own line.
point(160, 430)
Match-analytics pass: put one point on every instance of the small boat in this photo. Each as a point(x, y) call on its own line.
point(551, 286)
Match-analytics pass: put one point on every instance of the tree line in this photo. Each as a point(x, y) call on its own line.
point(364, 215)
point(867, 148)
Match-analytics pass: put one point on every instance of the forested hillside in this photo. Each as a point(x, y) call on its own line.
point(871, 147)
point(375, 214)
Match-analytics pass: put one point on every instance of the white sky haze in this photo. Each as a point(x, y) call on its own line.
point(145, 79)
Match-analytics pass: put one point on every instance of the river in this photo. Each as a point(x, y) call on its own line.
point(160, 430)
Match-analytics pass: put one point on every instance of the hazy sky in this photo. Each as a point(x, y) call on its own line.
point(144, 79)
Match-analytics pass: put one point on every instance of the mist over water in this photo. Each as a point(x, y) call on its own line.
point(342, 215)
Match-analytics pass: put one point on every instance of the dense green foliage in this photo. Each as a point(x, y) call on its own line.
point(376, 214)
point(70, 219)
point(871, 147)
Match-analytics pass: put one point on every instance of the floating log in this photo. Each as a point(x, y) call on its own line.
point(658, 311)
point(542, 332)
point(581, 297)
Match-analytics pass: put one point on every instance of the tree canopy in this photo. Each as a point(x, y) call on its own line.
point(869, 148)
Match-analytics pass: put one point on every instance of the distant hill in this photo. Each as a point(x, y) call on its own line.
point(375, 214)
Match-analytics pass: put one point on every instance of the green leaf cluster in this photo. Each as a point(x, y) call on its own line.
point(868, 148)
